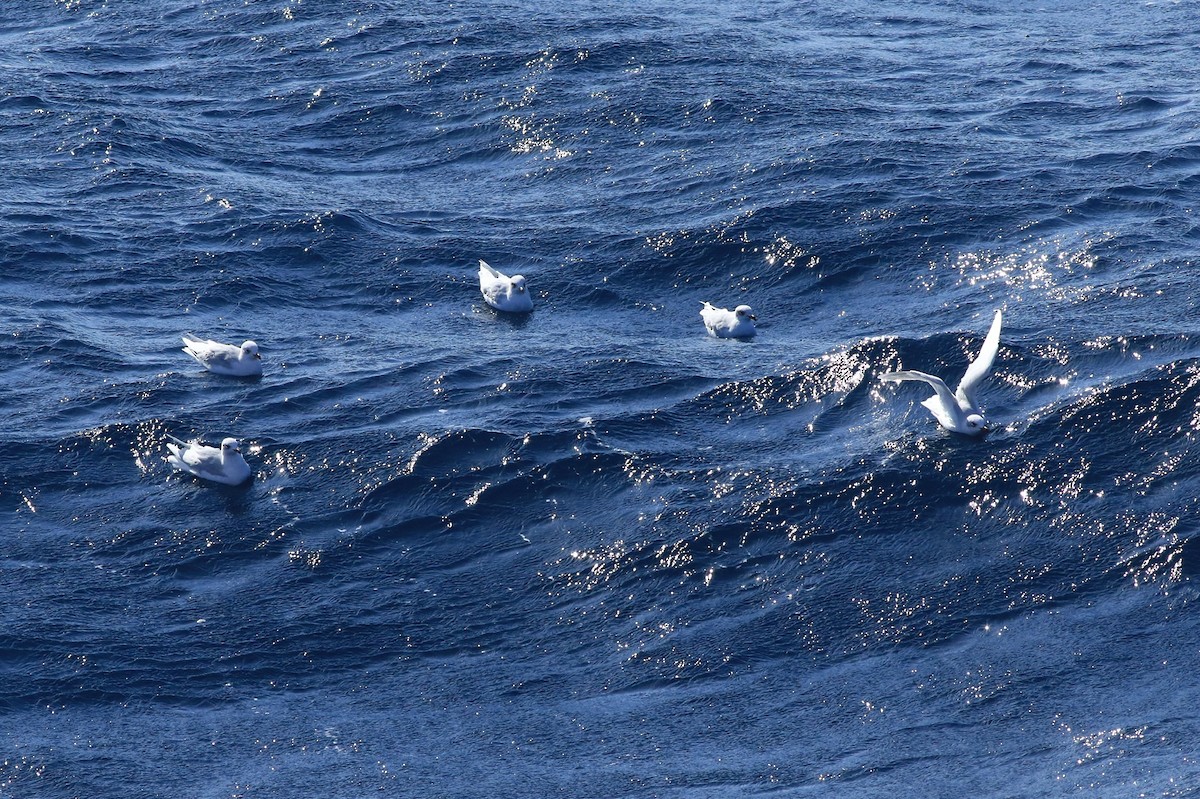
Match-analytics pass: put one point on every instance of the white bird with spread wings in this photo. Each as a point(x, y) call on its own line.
point(958, 412)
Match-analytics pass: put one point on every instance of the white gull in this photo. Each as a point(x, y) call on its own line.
point(958, 412)
point(502, 292)
point(223, 464)
point(723, 323)
point(225, 359)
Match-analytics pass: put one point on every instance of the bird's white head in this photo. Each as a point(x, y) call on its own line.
point(518, 283)
point(230, 445)
point(745, 312)
point(976, 424)
point(251, 349)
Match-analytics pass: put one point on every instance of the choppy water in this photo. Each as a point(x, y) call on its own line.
point(594, 552)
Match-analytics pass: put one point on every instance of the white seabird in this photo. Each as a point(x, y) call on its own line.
point(502, 292)
point(225, 359)
point(723, 323)
point(223, 464)
point(958, 412)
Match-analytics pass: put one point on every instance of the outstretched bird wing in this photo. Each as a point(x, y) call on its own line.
point(942, 404)
point(979, 368)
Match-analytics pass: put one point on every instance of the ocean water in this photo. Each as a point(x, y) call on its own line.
point(593, 552)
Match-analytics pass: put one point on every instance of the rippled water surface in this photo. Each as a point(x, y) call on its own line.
point(591, 551)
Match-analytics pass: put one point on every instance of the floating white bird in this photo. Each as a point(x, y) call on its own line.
point(502, 292)
point(723, 323)
point(959, 412)
point(222, 465)
point(225, 359)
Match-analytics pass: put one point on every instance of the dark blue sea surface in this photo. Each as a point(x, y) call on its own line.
point(592, 551)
